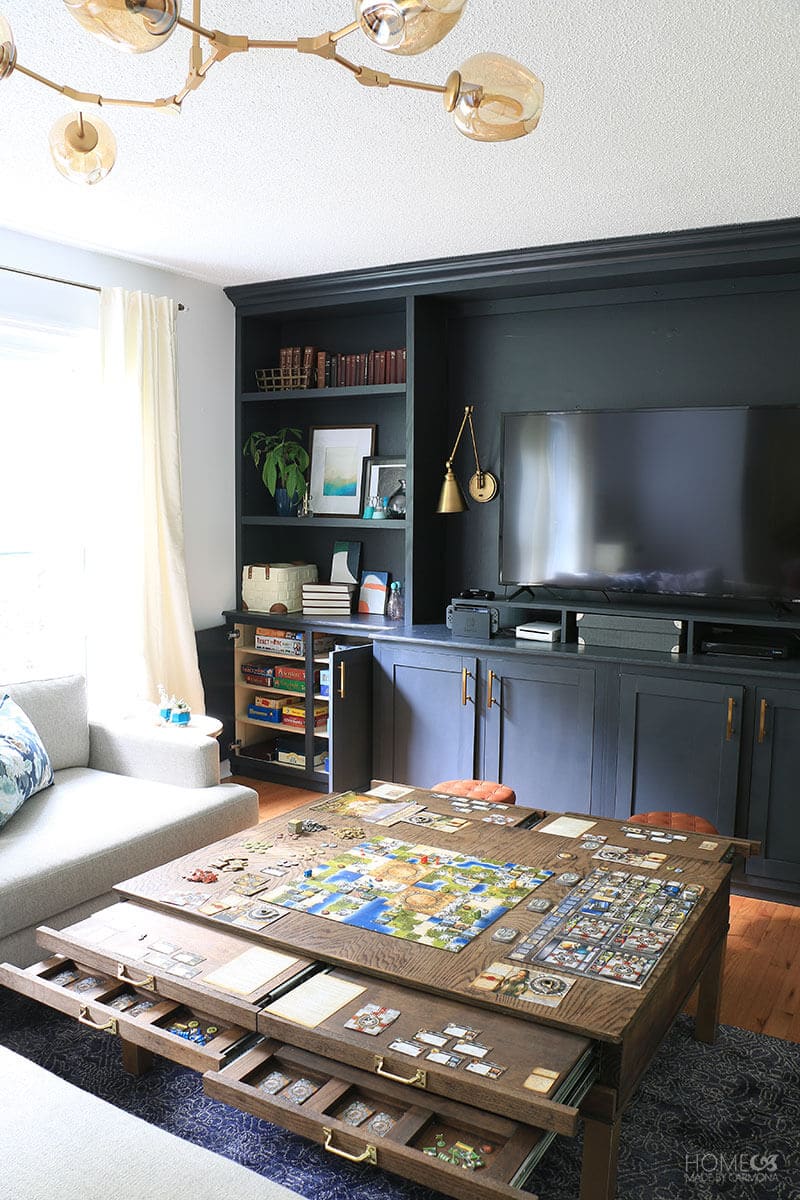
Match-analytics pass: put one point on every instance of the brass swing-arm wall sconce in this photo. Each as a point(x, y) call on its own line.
point(482, 485)
point(491, 98)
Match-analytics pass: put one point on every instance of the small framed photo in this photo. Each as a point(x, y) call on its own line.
point(382, 476)
point(337, 468)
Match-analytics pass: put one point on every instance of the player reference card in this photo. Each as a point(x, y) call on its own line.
point(250, 971)
point(523, 983)
point(315, 1000)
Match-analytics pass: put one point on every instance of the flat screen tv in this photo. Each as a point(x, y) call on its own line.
point(698, 502)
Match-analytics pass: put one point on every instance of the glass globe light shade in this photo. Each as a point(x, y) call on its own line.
point(83, 150)
point(407, 26)
point(494, 99)
point(8, 51)
point(132, 25)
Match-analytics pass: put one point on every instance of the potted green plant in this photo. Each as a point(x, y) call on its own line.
point(283, 461)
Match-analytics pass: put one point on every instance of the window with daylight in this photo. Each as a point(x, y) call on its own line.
point(48, 391)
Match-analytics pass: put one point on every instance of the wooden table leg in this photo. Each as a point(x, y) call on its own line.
point(709, 997)
point(599, 1164)
point(135, 1059)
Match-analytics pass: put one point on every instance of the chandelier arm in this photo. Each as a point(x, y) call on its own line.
point(92, 97)
point(422, 87)
point(353, 27)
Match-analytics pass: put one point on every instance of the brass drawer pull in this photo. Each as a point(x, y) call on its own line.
point(341, 681)
point(124, 977)
point(465, 675)
point(85, 1019)
point(419, 1079)
point(729, 721)
point(762, 722)
point(370, 1155)
point(490, 700)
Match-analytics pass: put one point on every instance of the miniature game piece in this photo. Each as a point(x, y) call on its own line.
point(565, 854)
point(505, 934)
point(140, 1007)
point(356, 1113)
point(69, 975)
point(568, 879)
point(200, 876)
point(380, 1124)
point(122, 1002)
point(88, 982)
point(300, 1090)
point(539, 904)
point(273, 1083)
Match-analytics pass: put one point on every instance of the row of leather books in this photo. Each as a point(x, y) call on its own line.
point(308, 367)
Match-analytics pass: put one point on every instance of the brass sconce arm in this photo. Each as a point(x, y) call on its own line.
point(482, 485)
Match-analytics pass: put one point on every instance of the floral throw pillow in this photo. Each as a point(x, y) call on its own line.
point(24, 765)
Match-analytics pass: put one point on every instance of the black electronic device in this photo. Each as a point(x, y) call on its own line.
point(691, 502)
point(469, 620)
point(475, 594)
point(761, 650)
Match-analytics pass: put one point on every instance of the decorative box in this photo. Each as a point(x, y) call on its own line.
point(270, 716)
point(275, 587)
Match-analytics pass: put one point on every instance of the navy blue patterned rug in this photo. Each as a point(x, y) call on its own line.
point(709, 1122)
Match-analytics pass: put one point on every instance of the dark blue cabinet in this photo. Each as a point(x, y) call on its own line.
point(538, 734)
point(774, 810)
point(678, 748)
point(425, 714)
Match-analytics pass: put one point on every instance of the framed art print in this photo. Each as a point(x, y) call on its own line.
point(337, 465)
point(373, 593)
point(382, 476)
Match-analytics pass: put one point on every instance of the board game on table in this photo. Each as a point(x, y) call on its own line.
point(518, 966)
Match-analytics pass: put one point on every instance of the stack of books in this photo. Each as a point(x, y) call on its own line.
point(320, 598)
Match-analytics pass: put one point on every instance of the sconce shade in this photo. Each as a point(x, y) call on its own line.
point(133, 25)
point(83, 151)
point(451, 497)
point(8, 50)
point(497, 99)
point(407, 26)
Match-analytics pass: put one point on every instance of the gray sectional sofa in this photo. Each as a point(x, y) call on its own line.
point(127, 796)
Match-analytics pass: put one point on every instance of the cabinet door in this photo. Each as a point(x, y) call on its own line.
point(773, 785)
point(678, 748)
point(425, 715)
point(350, 708)
point(539, 731)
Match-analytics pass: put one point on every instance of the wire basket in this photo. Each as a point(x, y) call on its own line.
point(282, 379)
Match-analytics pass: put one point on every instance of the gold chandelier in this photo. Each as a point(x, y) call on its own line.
point(491, 98)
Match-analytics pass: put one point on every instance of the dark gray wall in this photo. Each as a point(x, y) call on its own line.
point(734, 342)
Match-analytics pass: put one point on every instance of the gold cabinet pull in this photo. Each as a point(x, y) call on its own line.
point(341, 681)
point(124, 977)
point(490, 700)
point(729, 722)
point(419, 1079)
point(465, 675)
point(762, 722)
point(85, 1019)
point(370, 1155)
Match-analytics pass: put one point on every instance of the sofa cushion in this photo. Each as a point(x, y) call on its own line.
point(57, 708)
point(91, 830)
point(63, 1142)
point(24, 766)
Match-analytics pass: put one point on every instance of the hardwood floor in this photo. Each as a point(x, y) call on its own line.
point(762, 965)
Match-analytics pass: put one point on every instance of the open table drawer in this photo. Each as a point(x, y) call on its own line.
point(543, 1072)
point(157, 951)
point(184, 1034)
point(424, 1138)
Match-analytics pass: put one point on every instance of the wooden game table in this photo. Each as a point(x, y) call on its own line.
point(572, 1064)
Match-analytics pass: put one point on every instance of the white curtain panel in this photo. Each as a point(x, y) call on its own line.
point(142, 633)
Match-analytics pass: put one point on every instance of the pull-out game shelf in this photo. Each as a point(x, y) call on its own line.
point(451, 1147)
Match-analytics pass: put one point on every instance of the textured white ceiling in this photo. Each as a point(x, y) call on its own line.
point(659, 114)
